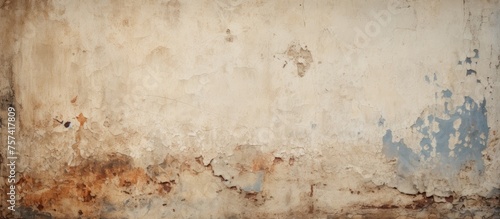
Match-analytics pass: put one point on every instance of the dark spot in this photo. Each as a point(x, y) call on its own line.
point(39, 207)
point(252, 196)
point(468, 60)
point(126, 183)
point(199, 160)
point(228, 31)
point(67, 124)
point(80, 212)
point(291, 161)
point(384, 206)
point(478, 81)
point(166, 186)
point(277, 160)
point(449, 199)
point(470, 71)
point(31, 213)
point(7, 101)
point(447, 93)
point(312, 190)
point(476, 53)
point(459, 62)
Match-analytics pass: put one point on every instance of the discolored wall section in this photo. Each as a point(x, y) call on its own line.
point(252, 109)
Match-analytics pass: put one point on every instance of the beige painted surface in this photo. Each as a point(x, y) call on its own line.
point(236, 108)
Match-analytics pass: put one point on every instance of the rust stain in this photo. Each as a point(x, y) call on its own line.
point(252, 196)
point(384, 206)
point(82, 119)
point(81, 186)
point(424, 202)
point(259, 163)
point(166, 186)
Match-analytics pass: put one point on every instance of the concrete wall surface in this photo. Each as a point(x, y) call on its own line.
point(250, 109)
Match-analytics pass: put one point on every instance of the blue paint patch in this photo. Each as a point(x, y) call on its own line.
point(257, 186)
point(467, 123)
point(468, 60)
point(476, 53)
point(446, 93)
point(470, 71)
point(407, 160)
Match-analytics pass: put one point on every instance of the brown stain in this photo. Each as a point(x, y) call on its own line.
point(424, 202)
point(73, 100)
point(199, 160)
point(251, 195)
point(82, 119)
point(166, 186)
point(302, 58)
point(449, 199)
point(277, 160)
point(311, 193)
point(260, 163)
point(311, 209)
point(81, 186)
point(384, 206)
point(229, 36)
point(84, 192)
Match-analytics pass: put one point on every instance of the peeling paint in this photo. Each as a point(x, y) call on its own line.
point(447, 158)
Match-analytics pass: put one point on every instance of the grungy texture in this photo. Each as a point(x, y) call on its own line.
point(252, 109)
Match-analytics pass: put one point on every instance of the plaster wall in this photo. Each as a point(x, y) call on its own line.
point(252, 109)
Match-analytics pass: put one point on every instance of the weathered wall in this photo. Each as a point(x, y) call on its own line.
point(256, 109)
